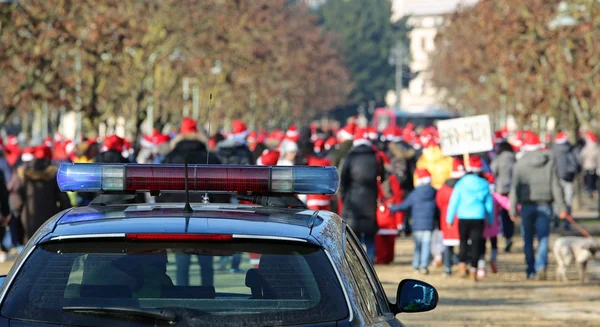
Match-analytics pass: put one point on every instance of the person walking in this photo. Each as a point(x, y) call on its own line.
point(535, 186)
point(112, 150)
point(589, 160)
point(425, 216)
point(567, 168)
point(450, 233)
point(35, 193)
point(358, 190)
point(502, 169)
point(471, 202)
point(190, 145)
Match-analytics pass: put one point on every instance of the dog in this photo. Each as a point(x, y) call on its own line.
point(574, 248)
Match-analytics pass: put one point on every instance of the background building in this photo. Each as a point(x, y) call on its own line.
point(426, 18)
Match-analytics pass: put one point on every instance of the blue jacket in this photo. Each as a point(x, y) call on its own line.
point(471, 200)
point(423, 210)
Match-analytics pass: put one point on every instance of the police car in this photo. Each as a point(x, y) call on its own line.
point(167, 264)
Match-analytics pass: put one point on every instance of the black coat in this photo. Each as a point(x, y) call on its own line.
point(358, 189)
point(111, 156)
point(231, 152)
point(190, 146)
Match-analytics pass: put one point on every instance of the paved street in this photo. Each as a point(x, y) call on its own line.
point(503, 299)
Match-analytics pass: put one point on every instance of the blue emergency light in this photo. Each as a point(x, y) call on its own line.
point(80, 177)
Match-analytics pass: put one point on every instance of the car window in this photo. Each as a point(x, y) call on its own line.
point(382, 301)
point(290, 283)
point(368, 300)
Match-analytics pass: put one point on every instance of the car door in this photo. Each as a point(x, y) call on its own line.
point(375, 307)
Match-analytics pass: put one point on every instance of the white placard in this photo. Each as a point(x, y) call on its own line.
point(465, 135)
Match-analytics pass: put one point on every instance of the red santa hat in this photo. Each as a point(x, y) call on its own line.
point(161, 139)
point(113, 142)
point(277, 135)
point(42, 152)
point(408, 135)
point(423, 176)
point(372, 133)
point(147, 141)
point(531, 142)
point(475, 164)
point(431, 143)
point(347, 133)
point(361, 136)
point(458, 168)
point(27, 154)
point(268, 158)
point(251, 137)
point(292, 134)
point(48, 142)
point(188, 126)
point(238, 130)
point(499, 137)
point(319, 146)
point(561, 138)
point(330, 143)
point(12, 141)
point(590, 136)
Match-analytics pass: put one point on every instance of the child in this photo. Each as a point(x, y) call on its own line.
point(472, 203)
point(425, 215)
point(490, 232)
point(449, 232)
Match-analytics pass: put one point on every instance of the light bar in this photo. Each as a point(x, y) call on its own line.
point(80, 177)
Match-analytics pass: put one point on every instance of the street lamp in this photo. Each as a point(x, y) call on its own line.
point(398, 58)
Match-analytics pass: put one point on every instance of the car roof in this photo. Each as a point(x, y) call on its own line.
point(206, 219)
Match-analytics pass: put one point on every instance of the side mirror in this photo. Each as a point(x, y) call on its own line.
point(415, 296)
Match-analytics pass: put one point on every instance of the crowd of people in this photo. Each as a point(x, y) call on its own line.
point(392, 182)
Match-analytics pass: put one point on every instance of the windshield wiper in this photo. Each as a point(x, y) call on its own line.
point(158, 314)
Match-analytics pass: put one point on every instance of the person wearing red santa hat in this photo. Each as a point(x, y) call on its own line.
point(536, 187)
point(358, 189)
point(567, 168)
point(292, 134)
point(268, 158)
point(424, 213)
point(234, 149)
point(590, 163)
point(450, 234)
point(345, 138)
point(111, 151)
point(472, 204)
point(44, 199)
point(318, 159)
point(12, 151)
point(5, 167)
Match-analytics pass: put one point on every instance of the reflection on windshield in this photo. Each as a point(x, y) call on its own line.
point(268, 283)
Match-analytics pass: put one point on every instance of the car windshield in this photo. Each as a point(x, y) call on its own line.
point(276, 283)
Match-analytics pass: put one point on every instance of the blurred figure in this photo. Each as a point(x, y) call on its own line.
point(234, 149)
point(436, 163)
point(190, 144)
point(589, 160)
point(289, 151)
point(425, 215)
point(450, 233)
point(502, 169)
point(345, 138)
point(112, 151)
point(318, 159)
point(358, 190)
point(5, 167)
point(472, 203)
point(4, 216)
point(535, 186)
point(12, 151)
point(403, 159)
point(268, 158)
point(490, 232)
point(567, 168)
point(35, 192)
